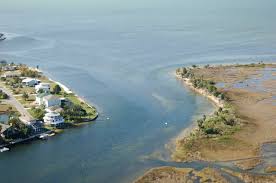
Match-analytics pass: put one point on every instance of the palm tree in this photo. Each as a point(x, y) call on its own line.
point(25, 96)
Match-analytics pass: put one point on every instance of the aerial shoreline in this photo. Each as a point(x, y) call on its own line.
point(244, 161)
point(69, 91)
point(38, 106)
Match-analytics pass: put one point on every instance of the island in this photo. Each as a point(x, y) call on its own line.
point(244, 120)
point(33, 106)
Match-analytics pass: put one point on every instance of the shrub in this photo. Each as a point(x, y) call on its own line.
point(56, 89)
point(38, 113)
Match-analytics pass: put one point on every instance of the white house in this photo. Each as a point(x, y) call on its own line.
point(45, 87)
point(39, 98)
point(30, 82)
point(51, 100)
point(9, 68)
point(53, 118)
point(11, 74)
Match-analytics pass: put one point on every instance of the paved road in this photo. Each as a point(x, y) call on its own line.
point(25, 116)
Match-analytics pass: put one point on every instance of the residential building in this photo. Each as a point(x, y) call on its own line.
point(36, 126)
point(9, 68)
point(39, 98)
point(11, 74)
point(53, 119)
point(51, 100)
point(30, 82)
point(44, 87)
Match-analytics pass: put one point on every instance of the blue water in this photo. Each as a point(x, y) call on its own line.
point(120, 56)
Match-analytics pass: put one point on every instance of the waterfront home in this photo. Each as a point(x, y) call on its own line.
point(30, 82)
point(51, 100)
point(36, 126)
point(53, 119)
point(4, 128)
point(39, 98)
point(9, 68)
point(54, 109)
point(10, 132)
point(11, 74)
point(44, 87)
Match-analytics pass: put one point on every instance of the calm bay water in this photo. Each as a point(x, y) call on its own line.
point(121, 56)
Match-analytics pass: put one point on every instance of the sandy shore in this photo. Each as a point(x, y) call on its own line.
point(193, 126)
point(215, 100)
point(65, 88)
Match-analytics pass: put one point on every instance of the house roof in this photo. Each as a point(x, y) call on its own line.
point(29, 80)
point(44, 84)
point(12, 73)
point(50, 97)
point(41, 95)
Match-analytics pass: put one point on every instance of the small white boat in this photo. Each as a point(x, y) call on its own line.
point(43, 136)
point(52, 134)
point(4, 149)
point(107, 118)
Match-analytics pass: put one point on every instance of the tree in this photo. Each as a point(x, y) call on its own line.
point(25, 96)
point(200, 123)
point(73, 112)
point(3, 95)
point(38, 113)
point(21, 129)
point(40, 91)
point(56, 89)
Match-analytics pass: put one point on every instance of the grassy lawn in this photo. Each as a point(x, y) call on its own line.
point(7, 107)
point(26, 103)
point(28, 90)
point(73, 98)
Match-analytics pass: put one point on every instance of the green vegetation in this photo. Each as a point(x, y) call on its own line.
point(216, 127)
point(26, 72)
point(17, 130)
point(73, 112)
point(76, 110)
point(260, 64)
point(13, 82)
point(37, 113)
point(222, 122)
point(25, 96)
point(56, 89)
point(3, 95)
point(200, 82)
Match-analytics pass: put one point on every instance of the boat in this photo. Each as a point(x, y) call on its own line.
point(43, 136)
point(52, 134)
point(2, 37)
point(4, 149)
